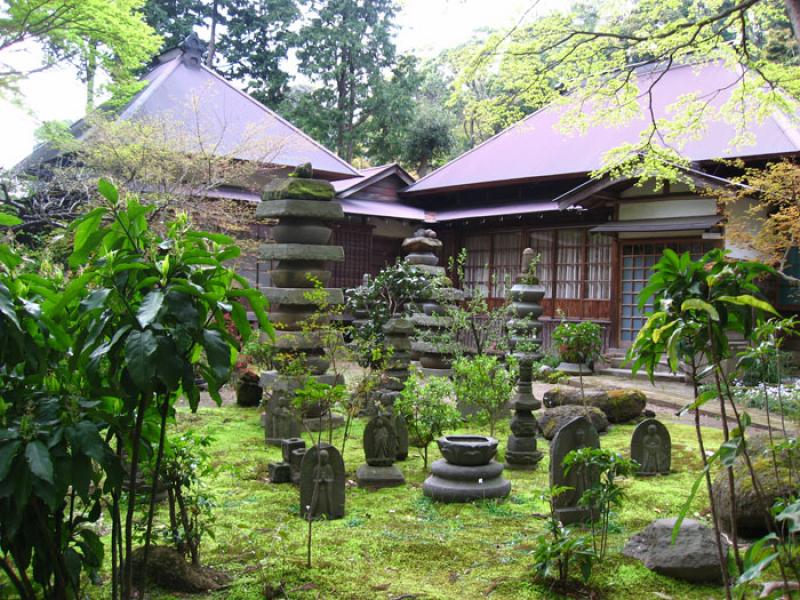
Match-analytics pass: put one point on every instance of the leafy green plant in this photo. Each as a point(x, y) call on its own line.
point(382, 297)
point(485, 383)
point(472, 324)
point(697, 305)
point(578, 342)
point(53, 458)
point(560, 549)
point(606, 495)
point(427, 405)
point(186, 463)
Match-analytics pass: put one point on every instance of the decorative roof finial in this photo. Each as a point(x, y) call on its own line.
point(193, 48)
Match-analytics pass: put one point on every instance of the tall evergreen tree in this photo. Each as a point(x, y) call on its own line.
point(247, 39)
point(174, 19)
point(344, 49)
point(257, 41)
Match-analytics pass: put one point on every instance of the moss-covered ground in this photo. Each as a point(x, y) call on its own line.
point(395, 543)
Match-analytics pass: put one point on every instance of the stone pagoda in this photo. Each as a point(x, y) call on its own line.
point(422, 250)
point(304, 210)
point(526, 342)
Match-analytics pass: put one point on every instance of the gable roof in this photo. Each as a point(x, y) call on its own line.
point(534, 148)
point(368, 176)
point(194, 98)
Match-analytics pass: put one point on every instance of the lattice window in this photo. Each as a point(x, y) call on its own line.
point(506, 259)
point(357, 244)
point(598, 267)
point(638, 259)
point(476, 269)
point(541, 242)
point(569, 269)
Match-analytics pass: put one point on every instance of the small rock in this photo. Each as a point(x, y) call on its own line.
point(693, 556)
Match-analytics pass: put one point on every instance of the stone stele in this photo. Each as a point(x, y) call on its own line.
point(651, 447)
point(578, 433)
point(322, 483)
point(380, 450)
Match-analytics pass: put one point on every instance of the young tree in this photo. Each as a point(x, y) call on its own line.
point(764, 212)
point(429, 408)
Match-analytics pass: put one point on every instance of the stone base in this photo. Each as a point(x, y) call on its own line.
point(426, 372)
point(379, 477)
point(454, 483)
point(522, 461)
point(324, 423)
point(280, 472)
point(575, 514)
point(574, 368)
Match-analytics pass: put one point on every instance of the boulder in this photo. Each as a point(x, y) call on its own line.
point(623, 405)
point(693, 557)
point(619, 406)
point(750, 516)
point(553, 419)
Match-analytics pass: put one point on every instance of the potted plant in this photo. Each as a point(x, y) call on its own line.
point(577, 344)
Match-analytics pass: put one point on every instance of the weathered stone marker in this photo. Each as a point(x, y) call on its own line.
point(322, 483)
point(578, 433)
point(467, 472)
point(380, 450)
point(651, 447)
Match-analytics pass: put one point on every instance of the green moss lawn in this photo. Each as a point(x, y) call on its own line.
point(396, 544)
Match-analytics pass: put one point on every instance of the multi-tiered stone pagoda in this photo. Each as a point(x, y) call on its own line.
point(430, 348)
point(304, 209)
point(525, 329)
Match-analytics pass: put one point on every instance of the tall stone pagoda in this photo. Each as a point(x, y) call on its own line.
point(304, 209)
point(526, 342)
point(429, 318)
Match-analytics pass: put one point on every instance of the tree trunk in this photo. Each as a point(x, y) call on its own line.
point(212, 44)
point(91, 74)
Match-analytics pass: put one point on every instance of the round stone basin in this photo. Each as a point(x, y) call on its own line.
point(467, 450)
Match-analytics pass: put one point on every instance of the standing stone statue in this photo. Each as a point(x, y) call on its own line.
point(651, 447)
point(525, 328)
point(397, 332)
point(578, 433)
point(380, 450)
point(322, 483)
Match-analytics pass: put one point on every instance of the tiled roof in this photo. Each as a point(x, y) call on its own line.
point(535, 148)
point(192, 99)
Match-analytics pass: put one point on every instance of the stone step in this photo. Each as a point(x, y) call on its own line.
point(659, 375)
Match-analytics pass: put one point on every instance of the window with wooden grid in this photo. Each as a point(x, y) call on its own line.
point(506, 259)
point(569, 266)
point(357, 244)
point(476, 269)
point(541, 242)
point(598, 267)
point(638, 259)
